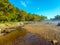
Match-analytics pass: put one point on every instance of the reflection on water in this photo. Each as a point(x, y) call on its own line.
point(31, 39)
point(27, 38)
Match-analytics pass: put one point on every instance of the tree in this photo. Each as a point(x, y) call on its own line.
point(9, 12)
point(57, 17)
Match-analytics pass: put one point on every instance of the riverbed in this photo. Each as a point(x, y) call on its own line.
point(32, 34)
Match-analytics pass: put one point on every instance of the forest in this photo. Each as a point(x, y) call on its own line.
point(10, 13)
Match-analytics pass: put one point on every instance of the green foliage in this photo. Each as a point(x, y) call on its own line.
point(10, 13)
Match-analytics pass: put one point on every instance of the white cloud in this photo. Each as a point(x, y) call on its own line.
point(23, 3)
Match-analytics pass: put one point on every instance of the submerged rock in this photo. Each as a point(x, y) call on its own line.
point(54, 42)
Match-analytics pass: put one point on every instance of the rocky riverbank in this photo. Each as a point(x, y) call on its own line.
point(7, 28)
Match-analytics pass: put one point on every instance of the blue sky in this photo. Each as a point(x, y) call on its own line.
point(49, 8)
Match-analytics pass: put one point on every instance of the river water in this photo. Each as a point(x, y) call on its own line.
point(55, 22)
point(31, 39)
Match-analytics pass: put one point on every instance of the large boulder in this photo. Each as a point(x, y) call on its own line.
point(2, 32)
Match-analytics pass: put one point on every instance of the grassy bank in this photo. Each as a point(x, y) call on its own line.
point(9, 38)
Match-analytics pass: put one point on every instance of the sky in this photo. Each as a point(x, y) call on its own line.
point(49, 8)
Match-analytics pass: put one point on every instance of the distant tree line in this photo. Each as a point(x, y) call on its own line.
point(57, 17)
point(8, 12)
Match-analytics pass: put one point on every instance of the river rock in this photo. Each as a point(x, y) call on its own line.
point(58, 24)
